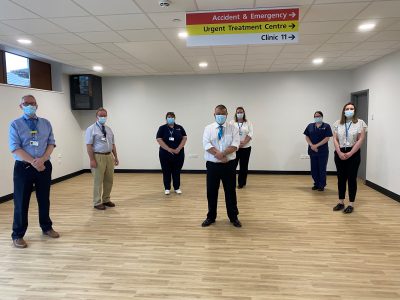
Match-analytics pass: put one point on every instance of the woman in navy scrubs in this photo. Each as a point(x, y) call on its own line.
point(172, 138)
point(317, 136)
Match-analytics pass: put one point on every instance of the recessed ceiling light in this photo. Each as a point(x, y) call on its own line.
point(24, 41)
point(203, 64)
point(366, 27)
point(183, 35)
point(318, 61)
point(97, 68)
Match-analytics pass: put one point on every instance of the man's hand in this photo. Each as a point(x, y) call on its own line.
point(38, 164)
point(116, 161)
point(93, 164)
point(219, 155)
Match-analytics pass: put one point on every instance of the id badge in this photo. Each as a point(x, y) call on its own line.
point(171, 138)
point(34, 143)
point(103, 139)
point(240, 133)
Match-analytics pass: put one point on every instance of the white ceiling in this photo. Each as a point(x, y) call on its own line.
point(138, 37)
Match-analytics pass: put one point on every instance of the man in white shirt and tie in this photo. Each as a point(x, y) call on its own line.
point(221, 141)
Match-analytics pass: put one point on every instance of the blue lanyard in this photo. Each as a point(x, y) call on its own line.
point(32, 124)
point(347, 130)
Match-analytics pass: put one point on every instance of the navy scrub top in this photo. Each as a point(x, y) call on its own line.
point(165, 132)
point(316, 135)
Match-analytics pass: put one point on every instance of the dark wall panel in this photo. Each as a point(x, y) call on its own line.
point(40, 75)
point(2, 68)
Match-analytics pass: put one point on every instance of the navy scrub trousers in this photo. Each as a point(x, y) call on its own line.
point(25, 177)
point(318, 160)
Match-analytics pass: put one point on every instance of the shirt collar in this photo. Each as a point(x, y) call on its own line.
point(216, 125)
point(26, 117)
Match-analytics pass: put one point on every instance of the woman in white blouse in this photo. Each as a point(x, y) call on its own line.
point(348, 136)
point(243, 154)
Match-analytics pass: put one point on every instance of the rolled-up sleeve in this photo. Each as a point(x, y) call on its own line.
point(235, 137)
point(14, 138)
point(207, 139)
point(51, 140)
point(250, 134)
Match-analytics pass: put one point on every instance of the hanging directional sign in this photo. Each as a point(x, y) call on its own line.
point(263, 26)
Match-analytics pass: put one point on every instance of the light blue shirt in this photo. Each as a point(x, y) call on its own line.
point(95, 137)
point(20, 137)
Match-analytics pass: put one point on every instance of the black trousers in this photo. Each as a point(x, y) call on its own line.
point(242, 159)
point(347, 174)
point(225, 172)
point(25, 177)
point(171, 165)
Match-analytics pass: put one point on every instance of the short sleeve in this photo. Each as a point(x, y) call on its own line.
point(51, 140)
point(362, 126)
point(159, 133)
point(89, 136)
point(14, 139)
point(328, 131)
point(307, 131)
point(336, 126)
point(183, 131)
point(251, 132)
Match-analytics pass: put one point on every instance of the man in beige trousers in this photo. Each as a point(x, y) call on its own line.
point(102, 153)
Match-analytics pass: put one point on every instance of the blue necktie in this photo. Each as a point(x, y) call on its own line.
point(220, 132)
point(32, 124)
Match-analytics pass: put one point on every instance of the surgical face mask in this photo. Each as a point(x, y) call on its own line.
point(318, 119)
point(170, 121)
point(240, 116)
point(29, 110)
point(102, 120)
point(220, 119)
point(349, 113)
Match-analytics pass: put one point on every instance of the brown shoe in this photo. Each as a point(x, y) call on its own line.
point(100, 207)
point(109, 204)
point(20, 243)
point(51, 233)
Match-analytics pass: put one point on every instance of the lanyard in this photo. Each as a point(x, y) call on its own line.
point(32, 124)
point(104, 132)
point(171, 132)
point(347, 132)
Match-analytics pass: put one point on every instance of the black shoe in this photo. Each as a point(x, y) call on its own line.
point(236, 223)
point(207, 222)
point(314, 188)
point(321, 189)
point(349, 209)
point(240, 186)
point(339, 206)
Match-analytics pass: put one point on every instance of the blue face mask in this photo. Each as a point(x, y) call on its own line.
point(102, 120)
point(170, 121)
point(318, 120)
point(220, 119)
point(349, 113)
point(29, 110)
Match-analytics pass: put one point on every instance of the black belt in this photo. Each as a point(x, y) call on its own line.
point(105, 153)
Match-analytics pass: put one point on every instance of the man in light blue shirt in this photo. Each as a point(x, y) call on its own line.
point(31, 142)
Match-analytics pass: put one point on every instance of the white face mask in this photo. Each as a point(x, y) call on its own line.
point(240, 116)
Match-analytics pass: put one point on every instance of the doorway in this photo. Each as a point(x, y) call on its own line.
point(360, 100)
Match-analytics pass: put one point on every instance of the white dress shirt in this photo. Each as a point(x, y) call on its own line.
point(245, 129)
point(229, 138)
point(353, 130)
point(95, 137)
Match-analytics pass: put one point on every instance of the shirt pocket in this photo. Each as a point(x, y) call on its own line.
point(228, 138)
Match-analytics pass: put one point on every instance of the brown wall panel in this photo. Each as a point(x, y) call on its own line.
point(40, 75)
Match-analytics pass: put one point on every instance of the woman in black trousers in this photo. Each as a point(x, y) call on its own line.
point(348, 136)
point(243, 154)
point(172, 138)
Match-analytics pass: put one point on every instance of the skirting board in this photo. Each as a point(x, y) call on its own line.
point(382, 190)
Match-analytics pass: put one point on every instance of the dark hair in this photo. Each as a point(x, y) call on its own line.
point(319, 112)
point(100, 109)
point(343, 117)
point(170, 113)
point(244, 114)
point(221, 106)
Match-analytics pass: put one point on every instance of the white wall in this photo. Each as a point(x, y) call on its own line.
point(280, 105)
point(382, 78)
point(55, 107)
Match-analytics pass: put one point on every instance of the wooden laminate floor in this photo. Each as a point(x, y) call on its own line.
point(291, 246)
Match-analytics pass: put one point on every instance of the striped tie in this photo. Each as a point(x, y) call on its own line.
point(220, 132)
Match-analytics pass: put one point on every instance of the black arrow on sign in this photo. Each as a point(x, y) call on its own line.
point(292, 26)
point(292, 37)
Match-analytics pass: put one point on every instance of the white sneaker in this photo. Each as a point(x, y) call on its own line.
point(167, 192)
point(178, 191)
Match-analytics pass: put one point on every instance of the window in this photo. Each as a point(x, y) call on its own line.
point(17, 68)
